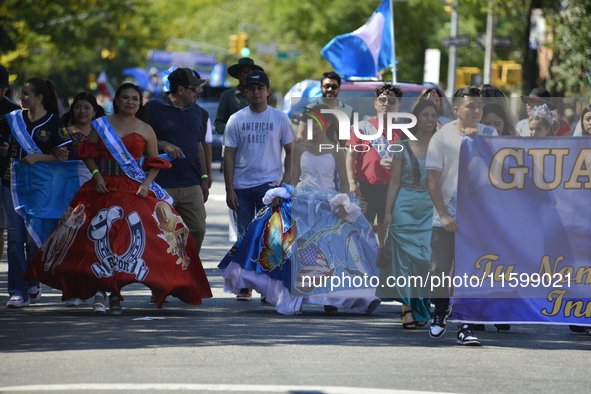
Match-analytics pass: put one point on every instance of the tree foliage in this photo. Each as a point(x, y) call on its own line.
point(64, 40)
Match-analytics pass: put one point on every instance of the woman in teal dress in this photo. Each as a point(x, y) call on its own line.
point(408, 216)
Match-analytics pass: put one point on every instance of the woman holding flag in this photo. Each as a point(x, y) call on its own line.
point(35, 133)
point(120, 227)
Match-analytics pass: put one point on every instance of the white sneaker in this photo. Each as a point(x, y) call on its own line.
point(17, 301)
point(73, 302)
point(35, 294)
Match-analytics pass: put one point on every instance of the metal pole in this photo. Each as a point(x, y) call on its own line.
point(451, 71)
point(488, 48)
point(394, 79)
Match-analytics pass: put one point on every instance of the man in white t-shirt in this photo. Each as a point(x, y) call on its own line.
point(443, 157)
point(254, 139)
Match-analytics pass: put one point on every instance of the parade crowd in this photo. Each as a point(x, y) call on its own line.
point(121, 197)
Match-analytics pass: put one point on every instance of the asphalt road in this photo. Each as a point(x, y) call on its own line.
point(240, 347)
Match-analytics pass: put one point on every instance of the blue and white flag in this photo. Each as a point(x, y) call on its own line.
point(42, 191)
point(367, 50)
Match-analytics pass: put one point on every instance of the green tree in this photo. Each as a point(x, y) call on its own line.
point(64, 40)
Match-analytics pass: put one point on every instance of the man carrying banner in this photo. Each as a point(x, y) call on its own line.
point(330, 84)
point(443, 157)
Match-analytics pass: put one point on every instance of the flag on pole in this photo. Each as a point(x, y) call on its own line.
point(367, 50)
point(104, 85)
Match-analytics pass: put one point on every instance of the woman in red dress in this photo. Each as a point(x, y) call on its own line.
point(116, 230)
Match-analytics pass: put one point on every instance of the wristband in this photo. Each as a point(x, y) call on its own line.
point(95, 171)
point(204, 176)
point(353, 181)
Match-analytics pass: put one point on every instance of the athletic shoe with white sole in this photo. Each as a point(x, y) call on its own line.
point(438, 327)
point(35, 294)
point(17, 301)
point(466, 337)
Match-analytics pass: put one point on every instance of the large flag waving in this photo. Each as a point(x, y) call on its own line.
point(367, 50)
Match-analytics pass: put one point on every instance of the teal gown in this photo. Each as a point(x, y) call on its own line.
point(409, 237)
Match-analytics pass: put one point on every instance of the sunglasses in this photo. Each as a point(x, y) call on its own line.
point(193, 89)
point(389, 100)
point(333, 87)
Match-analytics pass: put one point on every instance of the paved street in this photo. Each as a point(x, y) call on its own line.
point(239, 347)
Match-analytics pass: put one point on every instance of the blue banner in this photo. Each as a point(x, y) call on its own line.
point(523, 246)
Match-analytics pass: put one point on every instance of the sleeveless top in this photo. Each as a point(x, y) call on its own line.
point(318, 171)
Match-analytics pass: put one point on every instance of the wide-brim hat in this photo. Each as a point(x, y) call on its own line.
point(539, 94)
point(245, 61)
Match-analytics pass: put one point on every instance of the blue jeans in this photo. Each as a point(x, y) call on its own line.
point(21, 247)
point(250, 201)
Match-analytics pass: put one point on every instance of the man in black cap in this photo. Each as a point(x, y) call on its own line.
point(254, 139)
point(177, 122)
point(537, 97)
point(233, 100)
point(6, 106)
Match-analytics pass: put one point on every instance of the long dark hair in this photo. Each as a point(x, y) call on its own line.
point(585, 110)
point(141, 112)
point(439, 93)
point(68, 117)
point(499, 110)
point(49, 92)
point(420, 107)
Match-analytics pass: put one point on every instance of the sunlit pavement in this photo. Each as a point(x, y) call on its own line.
point(235, 347)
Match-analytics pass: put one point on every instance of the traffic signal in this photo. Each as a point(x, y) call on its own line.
point(243, 49)
point(505, 73)
point(91, 82)
point(234, 50)
point(449, 6)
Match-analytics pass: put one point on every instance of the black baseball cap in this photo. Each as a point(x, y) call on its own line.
point(258, 77)
point(3, 78)
point(185, 77)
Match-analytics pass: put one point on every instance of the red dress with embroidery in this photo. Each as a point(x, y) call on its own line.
point(106, 241)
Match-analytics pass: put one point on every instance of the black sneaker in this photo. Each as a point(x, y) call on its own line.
point(437, 328)
point(465, 336)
